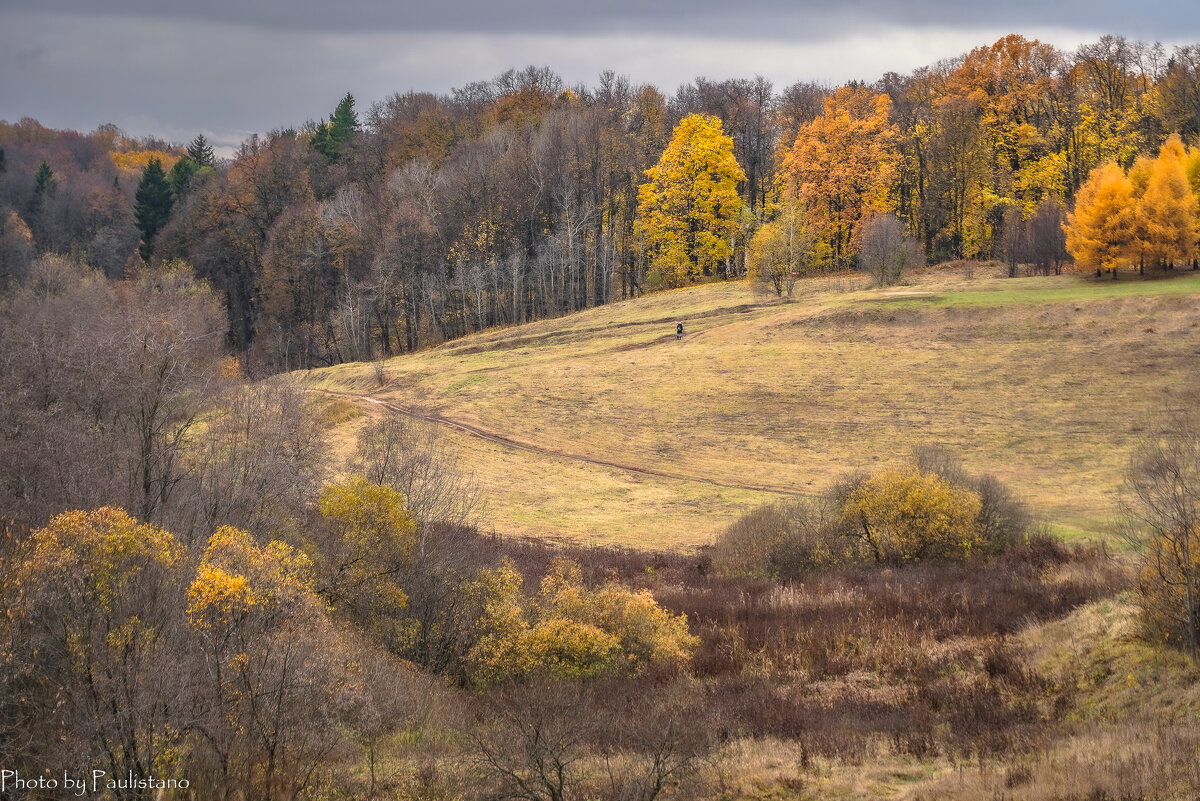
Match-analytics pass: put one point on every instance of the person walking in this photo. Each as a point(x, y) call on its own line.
point(679, 331)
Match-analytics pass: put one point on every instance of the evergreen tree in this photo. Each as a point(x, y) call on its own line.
point(153, 205)
point(332, 137)
point(43, 185)
point(2, 165)
point(182, 174)
point(200, 152)
point(43, 180)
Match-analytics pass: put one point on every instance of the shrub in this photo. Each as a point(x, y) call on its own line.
point(569, 649)
point(784, 539)
point(907, 516)
point(1004, 521)
point(931, 509)
point(571, 631)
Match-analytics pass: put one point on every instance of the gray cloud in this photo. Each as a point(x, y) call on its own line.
point(772, 19)
point(229, 69)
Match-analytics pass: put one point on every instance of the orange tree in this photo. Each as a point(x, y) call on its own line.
point(843, 164)
point(1100, 229)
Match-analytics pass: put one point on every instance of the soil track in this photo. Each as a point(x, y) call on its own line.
point(500, 439)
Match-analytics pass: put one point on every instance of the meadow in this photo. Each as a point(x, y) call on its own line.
point(602, 428)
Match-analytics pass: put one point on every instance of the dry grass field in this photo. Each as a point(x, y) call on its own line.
point(601, 428)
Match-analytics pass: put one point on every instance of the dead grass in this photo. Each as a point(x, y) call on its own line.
point(1042, 381)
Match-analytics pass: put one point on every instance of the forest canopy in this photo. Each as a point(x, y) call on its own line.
point(425, 217)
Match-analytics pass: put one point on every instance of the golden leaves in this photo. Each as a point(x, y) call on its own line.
point(1149, 214)
point(905, 515)
point(688, 210)
point(571, 631)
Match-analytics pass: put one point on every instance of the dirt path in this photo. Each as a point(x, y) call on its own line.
point(500, 439)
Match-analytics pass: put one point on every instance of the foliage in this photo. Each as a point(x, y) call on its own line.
point(496, 654)
point(687, 210)
point(273, 673)
point(370, 542)
point(646, 633)
point(332, 137)
point(94, 639)
point(44, 181)
point(426, 216)
point(182, 174)
point(153, 207)
point(930, 509)
point(200, 151)
point(16, 249)
point(569, 630)
point(1168, 210)
point(237, 578)
point(1151, 213)
point(1100, 229)
point(904, 515)
point(1004, 521)
point(781, 251)
point(137, 161)
point(842, 166)
point(412, 456)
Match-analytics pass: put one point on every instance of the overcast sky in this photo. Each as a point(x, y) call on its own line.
point(233, 67)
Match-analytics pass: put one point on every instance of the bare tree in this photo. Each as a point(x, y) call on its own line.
point(886, 250)
point(1047, 238)
point(261, 461)
point(1161, 507)
point(558, 741)
point(412, 456)
point(655, 747)
point(103, 384)
point(533, 740)
point(1014, 241)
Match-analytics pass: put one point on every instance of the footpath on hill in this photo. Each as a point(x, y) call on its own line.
point(505, 441)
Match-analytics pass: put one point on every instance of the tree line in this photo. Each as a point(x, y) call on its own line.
point(430, 216)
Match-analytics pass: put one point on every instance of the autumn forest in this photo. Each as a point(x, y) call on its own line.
point(255, 401)
point(384, 230)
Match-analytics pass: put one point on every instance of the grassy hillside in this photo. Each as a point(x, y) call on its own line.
point(602, 427)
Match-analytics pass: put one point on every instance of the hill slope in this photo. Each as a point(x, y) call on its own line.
point(601, 426)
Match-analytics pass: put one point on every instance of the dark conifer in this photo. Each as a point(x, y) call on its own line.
point(331, 138)
point(182, 174)
point(200, 151)
point(152, 208)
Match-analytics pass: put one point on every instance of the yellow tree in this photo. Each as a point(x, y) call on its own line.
point(93, 648)
point(688, 210)
point(1191, 166)
point(1099, 231)
point(1167, 211)
point(781, 250)
point(271, 669)
point(1139, 174)
point(368, 545)
point(843, 164)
